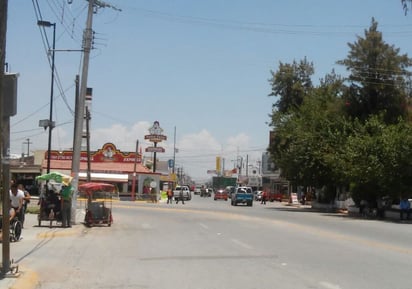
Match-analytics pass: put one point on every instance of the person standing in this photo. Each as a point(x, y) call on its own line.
point(264, 197)
point(181, 198)
point(169, 195)
point(26, 201)
point(405, 207)
point(66, 207)
point(16, 200)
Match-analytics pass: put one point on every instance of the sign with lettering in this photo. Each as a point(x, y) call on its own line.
point(156, 133)
point(108, 153)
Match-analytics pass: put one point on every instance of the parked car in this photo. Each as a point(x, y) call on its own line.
point(221, 195)
point(275, 196)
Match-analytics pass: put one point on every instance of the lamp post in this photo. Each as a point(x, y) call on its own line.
point(134, 173)
point(50, 122)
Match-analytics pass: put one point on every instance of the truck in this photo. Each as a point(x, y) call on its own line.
point(182, 191)
point(242, 195)
point(223, 182)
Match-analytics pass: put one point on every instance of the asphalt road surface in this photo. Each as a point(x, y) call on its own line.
point(207, 244)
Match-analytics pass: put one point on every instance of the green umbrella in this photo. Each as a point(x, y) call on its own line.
point(55, 176)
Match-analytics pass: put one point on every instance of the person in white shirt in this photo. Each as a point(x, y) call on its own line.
point(16, 200)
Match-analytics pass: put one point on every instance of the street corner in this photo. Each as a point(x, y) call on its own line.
point(24, 279)
point(60, 232)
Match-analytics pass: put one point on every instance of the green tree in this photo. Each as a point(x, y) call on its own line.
point(291, 83)
point(308, 138)
point(378, 77)
point(378, 159)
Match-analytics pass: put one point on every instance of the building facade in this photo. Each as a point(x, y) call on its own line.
point(107, 164)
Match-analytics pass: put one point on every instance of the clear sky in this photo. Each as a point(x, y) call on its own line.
point(200, 67)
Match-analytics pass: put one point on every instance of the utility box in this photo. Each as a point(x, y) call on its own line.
point(9, 104)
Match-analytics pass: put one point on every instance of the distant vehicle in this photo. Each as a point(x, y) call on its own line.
point(223, 182)
point(187, 194)
point(230, 190)
point(243, 195)
point(258, 195)
point(275, 196)
point(221, 195)
point(206, 192)
point(198, 189)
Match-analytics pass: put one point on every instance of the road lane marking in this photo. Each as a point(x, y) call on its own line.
point(204, 226)
point(328, 285)
point(299, 227)
point(241, 244)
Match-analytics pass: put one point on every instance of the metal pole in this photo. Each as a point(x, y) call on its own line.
point(154, 158)
point(134, 174)
point(4, 143)
point(88, 37)
point(88, 144)
point(174, 151)
point(51, 125)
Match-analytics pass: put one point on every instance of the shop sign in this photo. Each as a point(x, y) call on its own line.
point(155, 150)
point(156, 133)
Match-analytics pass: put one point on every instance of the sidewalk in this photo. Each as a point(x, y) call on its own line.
point(24, 278)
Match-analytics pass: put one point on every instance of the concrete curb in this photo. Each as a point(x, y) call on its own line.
point(27, 280)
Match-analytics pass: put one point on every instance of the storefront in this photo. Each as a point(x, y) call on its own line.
point(107, 164)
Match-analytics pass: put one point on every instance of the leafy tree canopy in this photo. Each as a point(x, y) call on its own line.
point(291, 83)
point(378, 77)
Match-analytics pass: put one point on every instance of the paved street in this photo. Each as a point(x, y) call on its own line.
point(208, 244)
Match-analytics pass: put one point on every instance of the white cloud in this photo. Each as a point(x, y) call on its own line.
point(197, 151)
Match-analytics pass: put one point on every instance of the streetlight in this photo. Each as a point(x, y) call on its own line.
point(50, 123)
point(134, 173)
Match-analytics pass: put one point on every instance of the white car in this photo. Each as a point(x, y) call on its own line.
point(197, 190)
point(258, 195)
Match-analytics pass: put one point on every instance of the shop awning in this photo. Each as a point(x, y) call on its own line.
point(105, 177)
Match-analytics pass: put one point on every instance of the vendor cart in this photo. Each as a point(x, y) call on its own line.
point(98, 204)
point(50, 201)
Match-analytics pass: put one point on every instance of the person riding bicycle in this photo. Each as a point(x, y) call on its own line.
point(16, 200)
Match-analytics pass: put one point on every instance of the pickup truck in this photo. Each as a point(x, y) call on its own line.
point(182, 191)
point(242, 195)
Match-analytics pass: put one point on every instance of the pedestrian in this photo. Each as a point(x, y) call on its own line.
point(405, 207)
point(12, 214)
point(363, 205)
point(26, 201)
point(264, 197)
point(66, 205)
point(181, 198)
point(303, 198)
point(169, 195)
point(380, 208)
point(16, 200)
point(153, 195)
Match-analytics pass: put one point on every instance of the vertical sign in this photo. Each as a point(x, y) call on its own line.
point(218, 169)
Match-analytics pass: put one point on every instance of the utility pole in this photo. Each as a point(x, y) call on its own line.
point(87, 40)
point(5, 181)
point(77, 143)
point(28, 146)
point(174, 152)
point(88, 144)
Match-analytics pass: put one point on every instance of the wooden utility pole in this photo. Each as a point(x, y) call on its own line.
point(4, 143)
point(80, 109)
point(28, 143)
point(88, 39)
